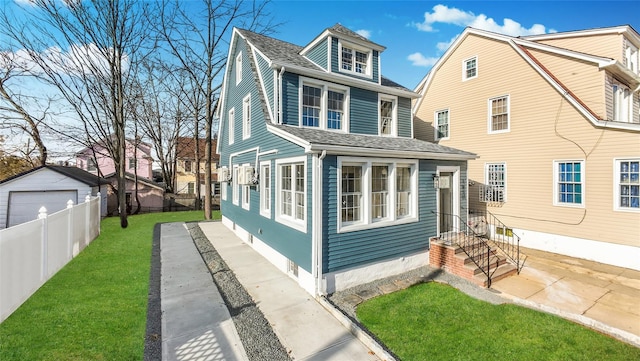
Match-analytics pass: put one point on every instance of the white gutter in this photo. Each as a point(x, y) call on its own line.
point(372, 152)
point(279, 120)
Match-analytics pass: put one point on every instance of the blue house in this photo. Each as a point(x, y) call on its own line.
point(320, 172)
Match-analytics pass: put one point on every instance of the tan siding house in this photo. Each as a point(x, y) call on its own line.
point(555, 120)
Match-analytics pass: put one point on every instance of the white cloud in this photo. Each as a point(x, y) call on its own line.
point(445, 15)
point(443, 46)
point(365, 33)
point(417, 59)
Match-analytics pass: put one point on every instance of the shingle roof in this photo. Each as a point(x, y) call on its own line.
point(71, 172)
point(322, 138)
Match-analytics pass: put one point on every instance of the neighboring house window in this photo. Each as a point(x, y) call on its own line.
point(470, 68)
point(231, 121)
point(265, 189)
point(499, 114)
point(246, 196)
point(238, 68)
point(388, 114)
point(132, 163)
point(631, 57)
point(291, 193)
point(187, 166)
point(323, 105)
point(379, 192)
point(91, 165)
point(627, 183)
point(191, 188)
point(354, 60)
point(236, 186)
point(246, 117)
point(376, 192)
point(442, 124)
point(494, 189)
point(569, 183)
point(622, 103)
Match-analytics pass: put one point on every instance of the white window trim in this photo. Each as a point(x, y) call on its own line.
point(392, 219)
point(369, 73)
point(464, 68)
point(616, 185)
point(490, 114)
point(486, 177)
point(245, 200)
point(235, 186)
point(238, 68)
point(246, 117)
point(300, 225)
point(265, 209)
point(223, 187)
point(394, 115)
point(231, 122)
point(556, 180)
point(435, 123)
point(621, 105)
point(325, 86)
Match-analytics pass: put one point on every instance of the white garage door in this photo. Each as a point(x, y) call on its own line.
point(24, 206)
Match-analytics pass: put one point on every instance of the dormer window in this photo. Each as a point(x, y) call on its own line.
point(354, 59)
point(324, 105)
point(631, 58)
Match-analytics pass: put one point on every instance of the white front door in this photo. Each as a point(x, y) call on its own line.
point(448, 199)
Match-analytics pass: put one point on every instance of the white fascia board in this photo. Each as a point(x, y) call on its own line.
point(314, 42)
point(386, 153)
point(256, 53)
point(624, 29)
point(288, 136)
point(365, 44)
point(221, 109)
point(601, 61)
point(342, 79)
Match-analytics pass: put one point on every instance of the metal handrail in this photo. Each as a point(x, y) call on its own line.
point(471, 243)
point(499, 233)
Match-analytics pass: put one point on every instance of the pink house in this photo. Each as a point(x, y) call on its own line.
point(144, 195)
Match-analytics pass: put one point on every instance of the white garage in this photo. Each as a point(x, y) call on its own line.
point(50, 186)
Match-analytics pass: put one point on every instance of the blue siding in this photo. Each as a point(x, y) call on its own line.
point(363, 114)
point(319, 54)
point(404, 117)
point(267, 77)
point(290, 84)
point(291, 243)
point(345, 250)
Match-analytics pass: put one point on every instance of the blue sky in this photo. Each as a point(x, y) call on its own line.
point(416, 33)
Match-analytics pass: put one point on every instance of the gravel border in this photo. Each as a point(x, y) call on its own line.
point(258, 338)
point(153, 335)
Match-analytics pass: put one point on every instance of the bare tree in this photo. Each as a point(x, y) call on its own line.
point(84, 49)
point(199, 43)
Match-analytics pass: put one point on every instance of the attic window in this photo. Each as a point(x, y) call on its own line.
point(470, 68)
point(239, 68)
point(355, 60)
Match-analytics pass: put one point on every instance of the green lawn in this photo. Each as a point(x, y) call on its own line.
point(95, 308)
point(432, 321)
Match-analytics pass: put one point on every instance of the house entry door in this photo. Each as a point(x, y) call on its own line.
point(446, 209)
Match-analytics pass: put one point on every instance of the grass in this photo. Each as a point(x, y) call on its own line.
point(95, 308)
point(433, 321)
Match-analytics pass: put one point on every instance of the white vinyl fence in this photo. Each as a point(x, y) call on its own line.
point(32, 252)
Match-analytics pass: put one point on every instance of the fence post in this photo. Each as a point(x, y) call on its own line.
point(87, 220)
point(42, 214)
point(99, 215)
point(70, 229)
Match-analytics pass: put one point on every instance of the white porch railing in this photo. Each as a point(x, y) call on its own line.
point(32, 252)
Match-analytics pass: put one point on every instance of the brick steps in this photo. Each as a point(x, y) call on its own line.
point(453, 259)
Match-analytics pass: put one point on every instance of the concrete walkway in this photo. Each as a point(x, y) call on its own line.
point(196, 324)
point(601, 296)
point(304, 326)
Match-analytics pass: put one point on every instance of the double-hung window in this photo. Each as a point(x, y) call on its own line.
point(236, 186)
point(470, 68)
point(442, 124)
point(354, 59)
point(569, 183)
point(91, 165)
point(622, 103)
point(631, 57)
point(388, 116)
point(627, 183)
point(132, 163)
point(494, 189)
point(231, 122)
point(246, 117)
point(291, 193)
point(265, 189)
point(376, 192)
point(499, 114)
point(239, 68)
point(324, 105)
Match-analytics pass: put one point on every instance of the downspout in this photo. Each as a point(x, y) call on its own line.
point(279, 120)
point(317, 220)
